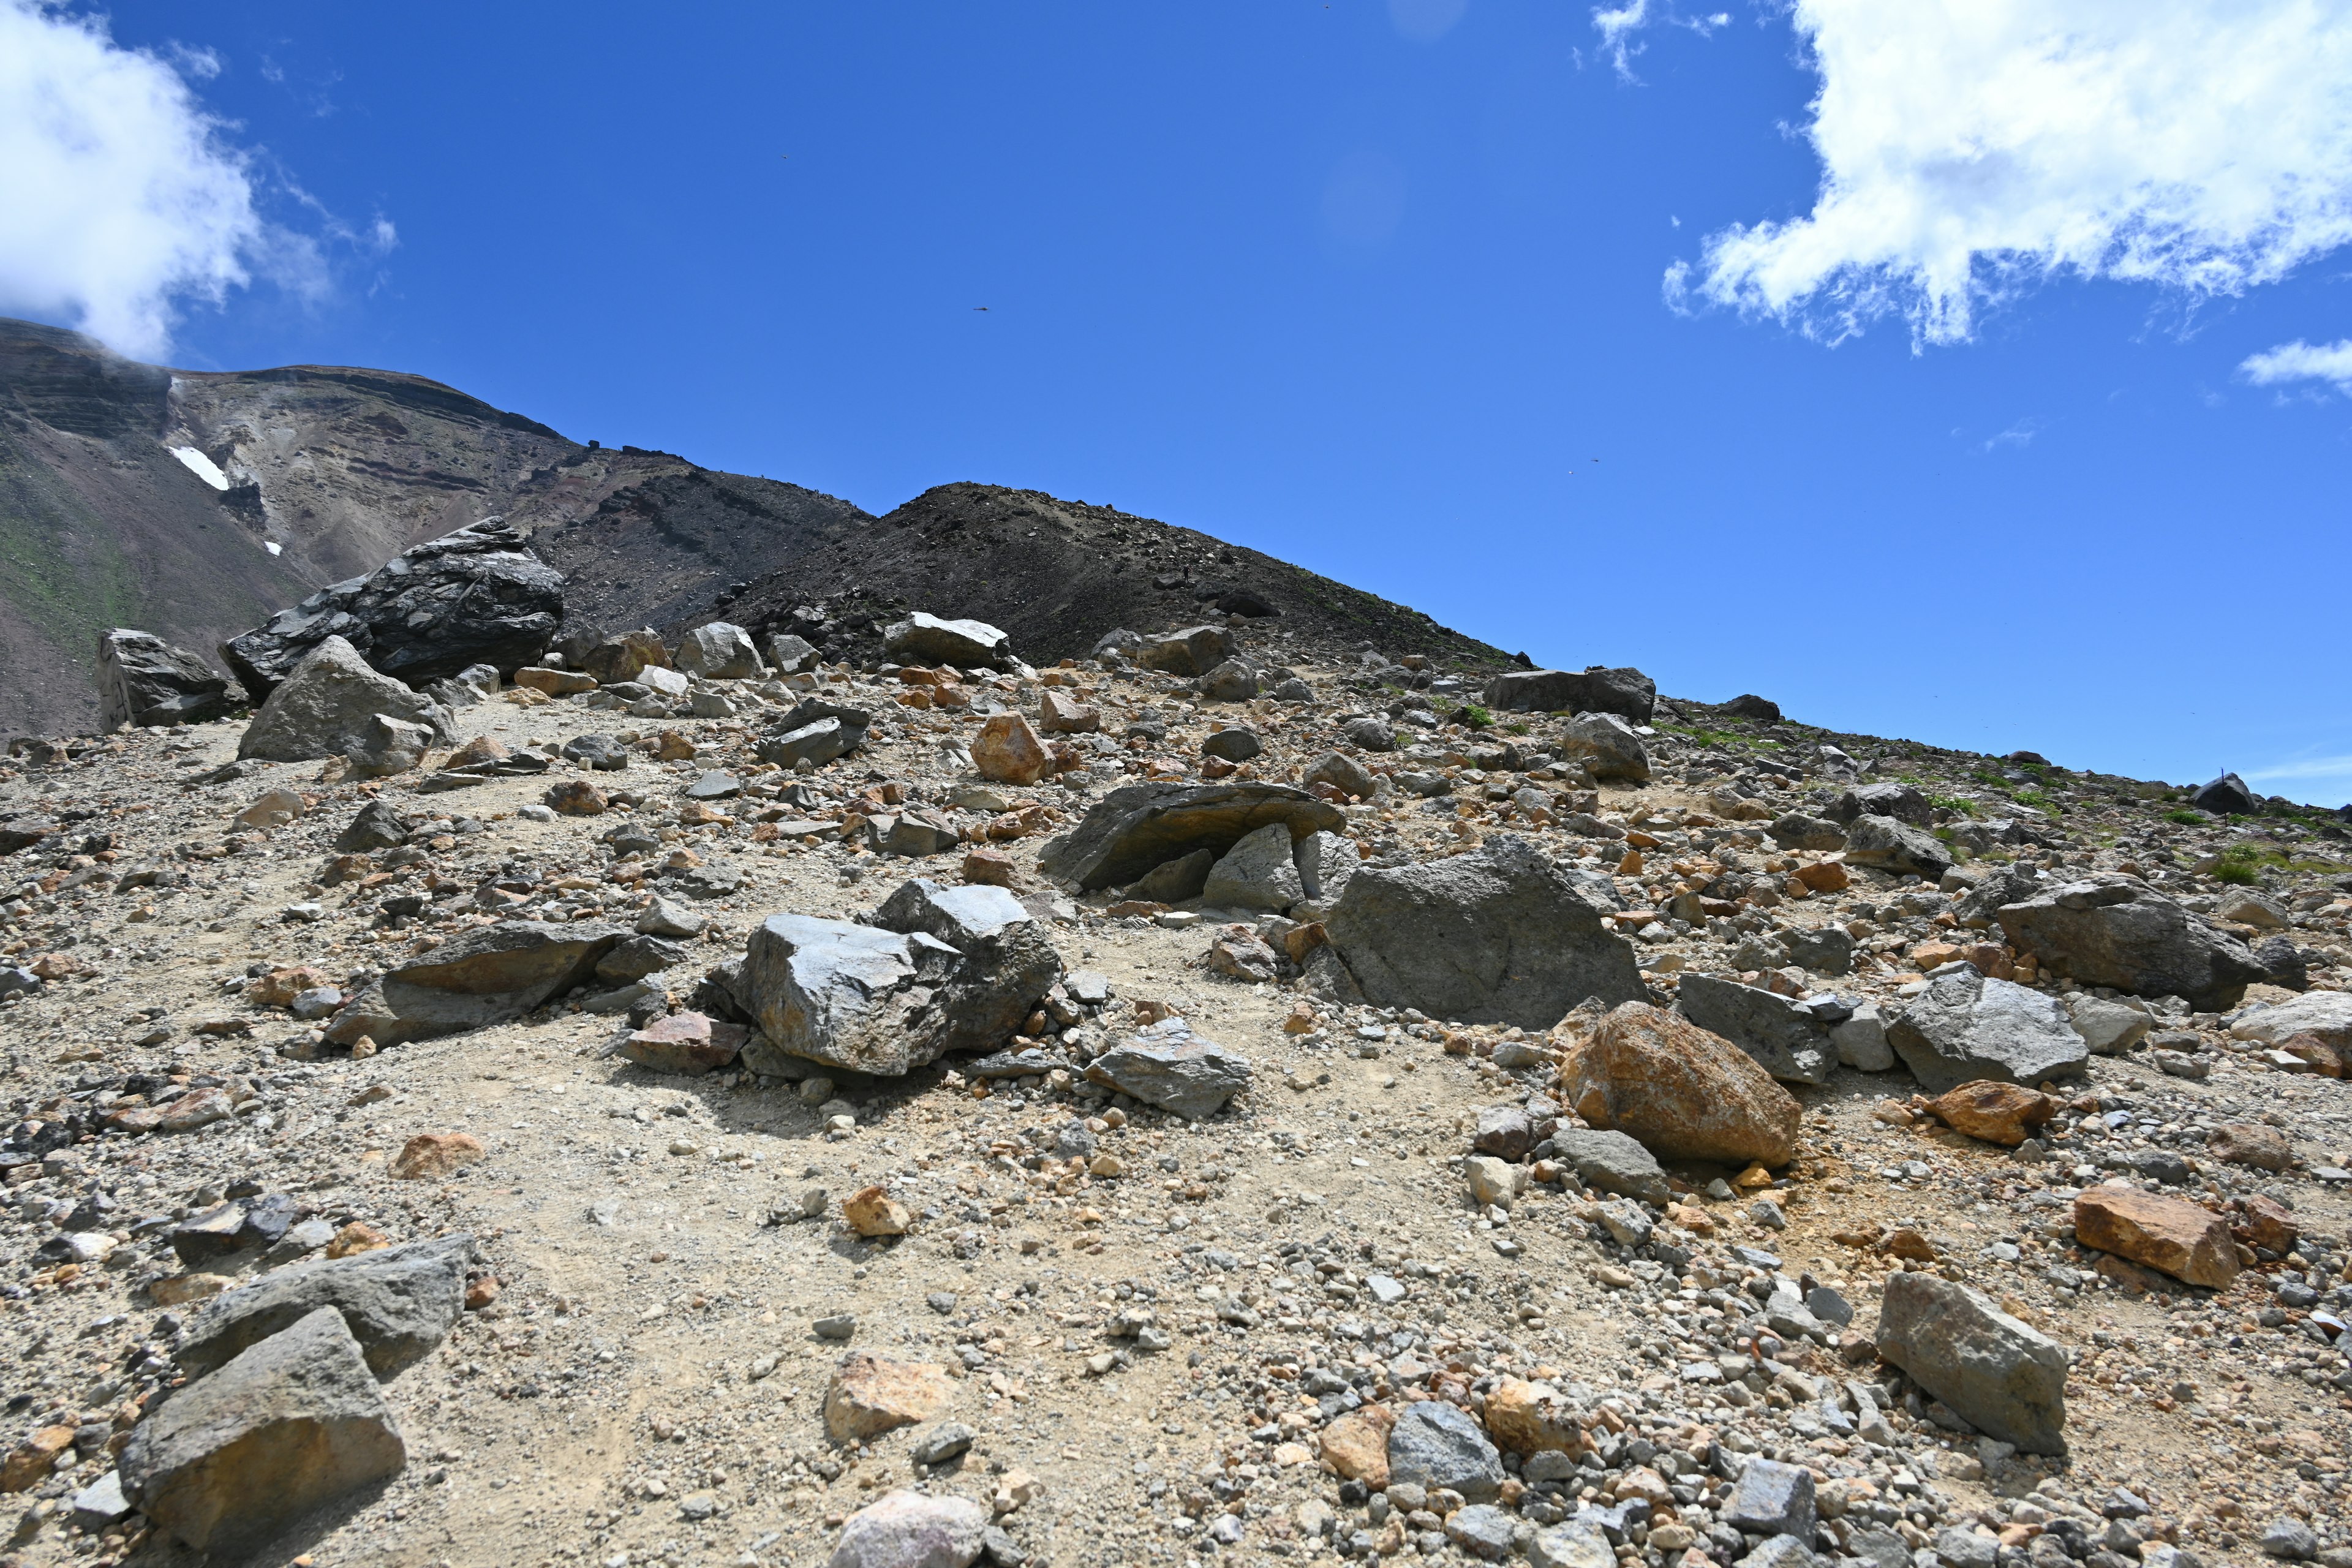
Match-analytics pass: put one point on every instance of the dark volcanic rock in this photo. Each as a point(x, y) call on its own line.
point(475, 596)
point(483, 976)
point(1965, 1027)
point(1625, 692)
point(1779, 1033)
point(144, 680)
point(1133, 829)
point(2118, 931)
point(2227, 796)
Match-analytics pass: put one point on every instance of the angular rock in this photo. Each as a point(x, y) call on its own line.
point(788, 654)
point(2001, 1375)
point(871, 1211)
point(1168, 1066)
point(1234, 745)
point(869, 1395)
point(436, 1156)
point(687, 1042)
point(1965, 1026)
point(1325, 863)
point(1897, 846)
point(1174, 881)
point(2117, 931)
point(1824, 950)
point(145, 681)
point(612, 661)
point(1679, 1090)
point(474, 596)
point(398, 1303)
point(1482, 1531)
point(2108, 1028)
point(1772, 1499)
point(1343, 772)
point(487, 975)
point(718, 650)
point(1007, 751)
point(1257, 873)
point(1797, 831)
point(1356, 1445)
point(1612, 1161)
point(2325, 1015)
point(1497, 935)
point(376, 826)
point(2250, 1143)
point(1900, 801)
point(1368, 734)
point(1195, 650)
point(1785, 1039)
point(1577, 1543)
point(909, 1530)
point(923, 638)
point(1008, 959)
point(1233, 680)
point(1135, 828)
point(1627, 693)
point(1533, 1418)
point(1605, 743)
point(1996, 1112)
point(322, 706)
point(1061, 714)
point(385, 746)
point(2169, 1235)
point(2283, 964)
point(1436, 1445)
point(555, 682)
point(2226, 796)
point(294, 1422)
point(816, 732)
point(1747, 705)
point(1239, 953)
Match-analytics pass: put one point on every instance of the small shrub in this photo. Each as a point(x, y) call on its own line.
point(2238, 873)
point(2185, 816)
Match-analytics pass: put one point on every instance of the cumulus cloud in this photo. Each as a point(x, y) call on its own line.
point(1970, 148)
point(2300, 360)
point(119, 196)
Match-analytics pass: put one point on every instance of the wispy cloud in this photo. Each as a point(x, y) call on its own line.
point(1972, 148)
point(2020, 434)
point(2325, 781)
point(1620, 25)
point(2300, 360)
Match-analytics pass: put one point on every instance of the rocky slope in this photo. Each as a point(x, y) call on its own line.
point(1415, 1277)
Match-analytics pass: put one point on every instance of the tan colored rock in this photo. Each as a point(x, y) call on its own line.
point(1532, 1419)
point(2265, 1222)
point(276, 808)
point(1824, 877)
point(2250, 1143)
point(178, 1289)
point(29, 1463)
point(871, 1211)
point(436, 1156)
point(689, 1043)
point(1997, 1112)
point(355, 1238)
point(1009, 751)
point(1357, 1445)
point(2177, 1238)
point(1059, 714)
point(990, 867)
point(1679, 1090)
point(869, 1396)
point(554, 682)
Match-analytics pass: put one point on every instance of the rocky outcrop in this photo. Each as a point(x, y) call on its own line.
point(1138, 827)
point(145, 681)
point(1965, 1026)
point(1681, 1091)
point(1628, 693)
point(326, 706)
point(483, 976)
point(2117, 931)
point(474, 596)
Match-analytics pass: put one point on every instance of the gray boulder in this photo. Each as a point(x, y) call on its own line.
point(1173, 881)
point(1232, 744)
point(1612, 1161)
point(909, 1530)
point(1434, 1444)
point(398, 1303)
point(1499, 935)
point(1133, 829)
point(1900, 801)
point(1897, 846)
point(1978, 909)
point(1368, 734)
point(1168, 1066)
point(1626, 692)
point(1772, 1499)
point(376, 826)
point(323, 707)
point(1232, 681)
point(296, 1421)
point(1195, 650)
point(1258, 873)
point(1860, 1040)
point(1778, 1032)
point(1997, 1373)
point(816, 731)
point(145, 681)
point(718, 650)
point(2108, 1028)
point(787, 654)
point(1824, 950)
point(1747, 705)
point(927, 639)
point(1798, 831)
point(2118, 931)
point(385, 746)
point(1964, 1028)
point(1343, 772)
point(1576, 1543)
point(474, 596)
point(1009, 961)
point(489, 974)
point(1326, 862)
point(2226, 796)
point(1605, 743)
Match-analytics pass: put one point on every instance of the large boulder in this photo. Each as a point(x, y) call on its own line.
point(1626, 692)
point(2226, 796)
point(2326, 1014)
point(145, 681)
point(489, 974)
point(1258, 873)
point(816, 731)
point(2186, 1240)
point(908, 1530)
point(1784, 1037)
point(474, 596)
point(2117, 931)
point(1195, 650)
point(1965, 1026)
point(718, 650)
point(1605, 743)
point(398, 1303)
point(1999, 1374)
point(927, 639)
point(1499, 935)
point(625, 656)
point(1902, 802)
point(1132, 830)
point(1679, 1090)
point(294, 1422)
point(941, 969)
point(323, 707)
point(1888, 843)
point(1168, 1066)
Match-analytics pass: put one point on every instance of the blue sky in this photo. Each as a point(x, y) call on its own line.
point(1435, 297)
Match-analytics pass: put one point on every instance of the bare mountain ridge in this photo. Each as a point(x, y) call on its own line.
point(330, 470)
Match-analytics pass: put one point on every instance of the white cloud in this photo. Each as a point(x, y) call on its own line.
point(2300, 360)
point(1972, 147)
point(122, 196)
point(1425, 21)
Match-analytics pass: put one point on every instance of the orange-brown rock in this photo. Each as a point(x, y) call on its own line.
point(1062, 715)
point(1680, 1091)
point(990, 867)
point(2169, 1235)
point(29, 1463)
point(1357, 1445)
point(1826, 877)
point(2265, 1222)
point(1008, 751)
point(1909, 1244)
point(2326, 1059)
point(869, 1396)
point(2250, 1143)
point(1532, 1419)
point(433, 1156)
point(871, 1211)
point(554, 682)
point(1994, 1112)
point(576, 797)
point(355, 1238)
point(280, 987)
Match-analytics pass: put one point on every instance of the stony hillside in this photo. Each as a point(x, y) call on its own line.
point(909, 1115)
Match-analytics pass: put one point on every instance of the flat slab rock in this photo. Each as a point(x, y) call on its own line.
point(488, 975)
point(1965, 1026)
point(1170, 1067)
point(398, 1303)
point(2170, 1234)
point(1136, 827)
